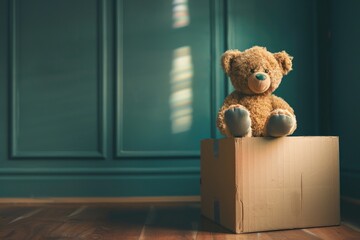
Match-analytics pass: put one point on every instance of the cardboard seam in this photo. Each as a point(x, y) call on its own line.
point(239, 202)
point(241, 225)
point(301, 193)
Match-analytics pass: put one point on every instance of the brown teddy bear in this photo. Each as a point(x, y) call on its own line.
point(252, 109)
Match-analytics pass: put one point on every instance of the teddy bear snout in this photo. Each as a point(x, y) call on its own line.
point(259, 82)
point(260, 76)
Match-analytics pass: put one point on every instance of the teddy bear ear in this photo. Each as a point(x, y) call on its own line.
point(227, 59)
point(285, 61)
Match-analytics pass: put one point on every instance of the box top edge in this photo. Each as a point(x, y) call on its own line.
point(240, 138)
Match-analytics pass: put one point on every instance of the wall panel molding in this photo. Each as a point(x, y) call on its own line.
point(216, 21)
point(120, 153)
point(102, 78)
point(96, 200)
point(114, 171)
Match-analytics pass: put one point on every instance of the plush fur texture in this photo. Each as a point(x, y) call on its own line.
point(245, 69)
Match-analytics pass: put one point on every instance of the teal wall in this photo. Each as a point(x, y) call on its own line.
point(112, 97)
point(105, 97)
point(281, 25)
point(345, 50)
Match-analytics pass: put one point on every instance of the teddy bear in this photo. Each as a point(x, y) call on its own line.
point(252, 110)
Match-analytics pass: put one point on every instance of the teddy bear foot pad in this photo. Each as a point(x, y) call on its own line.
point(238, 121)
point(280, 125)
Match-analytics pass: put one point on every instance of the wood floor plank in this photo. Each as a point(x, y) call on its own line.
point(232, 236)
point(125, 221)
point(9, 213)
point(335, 233)
point(36, 223)
point(171, 222)
point(104, 222)
point(136, 221)
point(210, 230)
point(28, 225)
point(34, 230)
point(291, 235)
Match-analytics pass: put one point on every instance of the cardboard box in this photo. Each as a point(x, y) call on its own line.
point(259, 184)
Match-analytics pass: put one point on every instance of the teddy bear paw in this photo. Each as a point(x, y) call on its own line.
point(238, 121)
point(280, 123)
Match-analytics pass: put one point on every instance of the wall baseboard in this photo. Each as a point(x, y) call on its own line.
point(89, 200)
point(103, 186)
point(350, 200)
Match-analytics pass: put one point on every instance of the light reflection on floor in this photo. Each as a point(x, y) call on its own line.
point(181, 96)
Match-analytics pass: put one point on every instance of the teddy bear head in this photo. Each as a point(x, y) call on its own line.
point(256, 70)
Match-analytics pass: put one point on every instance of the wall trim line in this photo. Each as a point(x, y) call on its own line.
point(98, 171)
point(350, 200)
point(96, 200)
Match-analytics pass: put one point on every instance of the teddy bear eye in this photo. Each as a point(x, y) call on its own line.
point(252, 70)
point(267, 70)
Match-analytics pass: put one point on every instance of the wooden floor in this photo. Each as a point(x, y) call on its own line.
point(134, 221)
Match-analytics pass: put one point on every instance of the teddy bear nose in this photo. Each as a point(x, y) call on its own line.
point(260, 76)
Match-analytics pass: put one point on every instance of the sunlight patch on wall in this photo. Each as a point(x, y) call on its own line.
point(181, 17)
point(181, 96)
